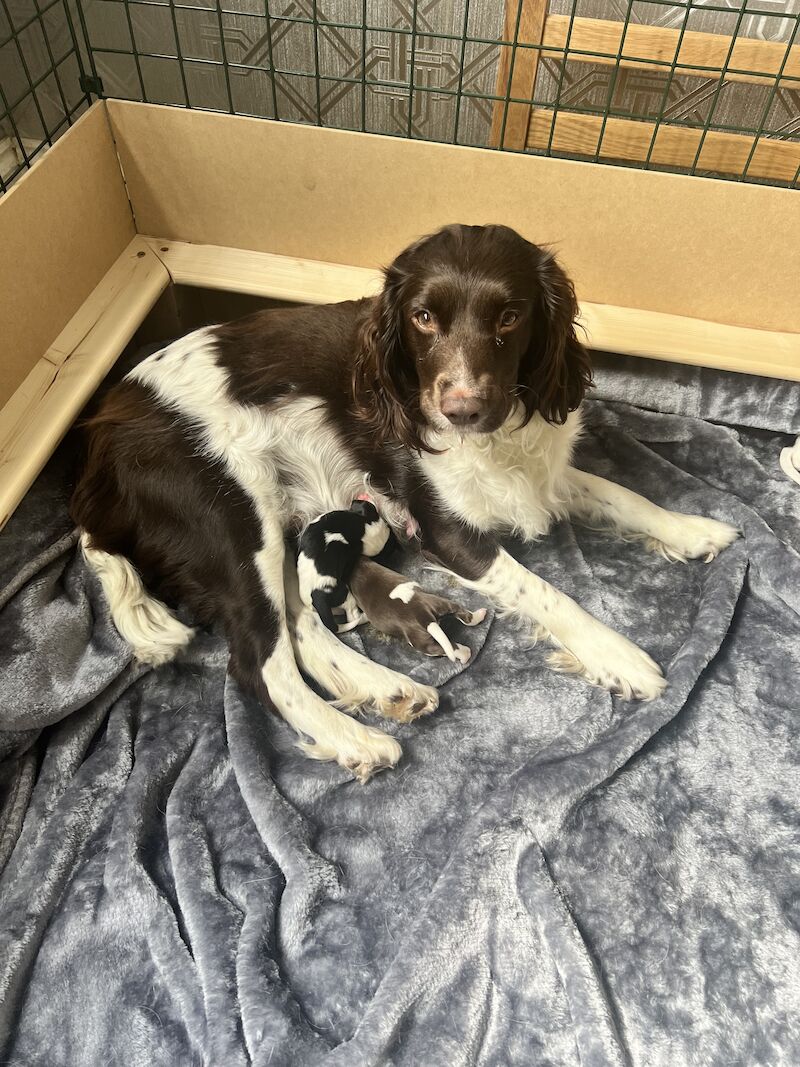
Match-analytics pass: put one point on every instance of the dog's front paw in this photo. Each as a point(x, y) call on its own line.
point(361, 750)
point(376, 754)
point(612, 662)
point(409, 701)
point(694, 537)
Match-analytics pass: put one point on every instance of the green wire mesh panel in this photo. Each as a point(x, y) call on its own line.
point(42, 81)
point(699, 88)
point(707, 88)
point(344, 63)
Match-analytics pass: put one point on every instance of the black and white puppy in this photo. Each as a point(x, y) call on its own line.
point(328, 551)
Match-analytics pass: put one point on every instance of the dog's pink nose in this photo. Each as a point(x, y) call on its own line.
point(462, 409)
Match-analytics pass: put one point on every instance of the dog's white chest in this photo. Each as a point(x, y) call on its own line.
point(512, 479)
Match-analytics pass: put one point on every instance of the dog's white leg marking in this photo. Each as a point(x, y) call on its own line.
point(352, 679)
point(588, 648)
point(360, 749)
point(599, 502)
point(355, 681)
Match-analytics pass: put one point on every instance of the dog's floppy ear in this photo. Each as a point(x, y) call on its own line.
point(555, 371)
point(384, 382)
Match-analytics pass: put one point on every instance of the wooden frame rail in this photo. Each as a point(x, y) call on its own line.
point(657, 48)
point(654, 48)
point(627, 331)
point(676, 146)
point(48, 401)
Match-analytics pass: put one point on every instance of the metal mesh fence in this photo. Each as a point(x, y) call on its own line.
point(703, 88)
point(42, 80)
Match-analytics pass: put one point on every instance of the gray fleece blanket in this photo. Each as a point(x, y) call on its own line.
point(551, 876)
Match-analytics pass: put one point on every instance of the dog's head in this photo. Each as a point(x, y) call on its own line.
point(473, 323)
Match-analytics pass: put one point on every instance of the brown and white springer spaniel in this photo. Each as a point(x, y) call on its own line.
point(452, 398)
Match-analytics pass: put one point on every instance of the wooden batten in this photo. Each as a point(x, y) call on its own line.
point(66, 375)
point(516, 73)
point(657, 48)
point(628, 331)
point(677, 339)
point(636, 47)
point(235, 270)
point(676, 146)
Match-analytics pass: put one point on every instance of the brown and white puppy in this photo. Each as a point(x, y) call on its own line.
point(399, 608)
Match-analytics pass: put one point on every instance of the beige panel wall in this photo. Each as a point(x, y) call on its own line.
point(62, 225)
point(705, 248)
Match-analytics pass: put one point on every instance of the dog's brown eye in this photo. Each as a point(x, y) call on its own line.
point(508, 318)
point(423, 318)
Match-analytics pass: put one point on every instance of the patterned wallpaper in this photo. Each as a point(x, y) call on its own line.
point(438, 63)
point(219, 58)
point(387, 56)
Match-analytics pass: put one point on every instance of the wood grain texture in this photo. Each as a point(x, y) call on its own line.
point(630, 332)
point(235, 270)
point(66, 375)
point(516, 73)
point(628, 139)
point(601, 40)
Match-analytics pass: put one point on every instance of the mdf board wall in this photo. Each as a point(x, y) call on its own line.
point(62, 226)
point(722, 251)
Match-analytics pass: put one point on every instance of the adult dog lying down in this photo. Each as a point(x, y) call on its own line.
point(453, 397)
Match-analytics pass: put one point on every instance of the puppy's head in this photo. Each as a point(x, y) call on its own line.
point(376, 531)
point(474, 322)
point(366, 509)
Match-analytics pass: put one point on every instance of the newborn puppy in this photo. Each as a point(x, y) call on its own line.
point(401, 609)
point(328, 550)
